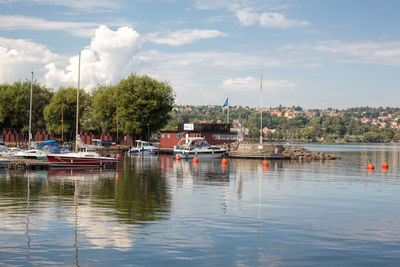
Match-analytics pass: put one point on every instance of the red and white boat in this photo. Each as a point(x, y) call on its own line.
point(81, 159)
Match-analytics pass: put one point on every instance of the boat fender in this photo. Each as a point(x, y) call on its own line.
point(118, 156)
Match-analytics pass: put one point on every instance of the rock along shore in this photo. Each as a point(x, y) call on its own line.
point(272, 151)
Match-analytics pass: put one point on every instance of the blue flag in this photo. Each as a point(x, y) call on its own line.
point(226, 103)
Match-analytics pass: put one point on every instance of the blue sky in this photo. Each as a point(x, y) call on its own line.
point(311, 53)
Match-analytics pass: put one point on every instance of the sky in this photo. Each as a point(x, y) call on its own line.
point(311, 53)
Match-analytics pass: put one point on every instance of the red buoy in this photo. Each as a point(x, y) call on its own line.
point(265, 163)
point(195, 160)
point(118, 156)
point(224, 162)
point(385, 165)
point(371, 166)
point(178, 158)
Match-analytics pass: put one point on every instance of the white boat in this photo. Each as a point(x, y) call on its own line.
point(191, 147)
point(31, 154)
point(143, 148)
point(4, 151)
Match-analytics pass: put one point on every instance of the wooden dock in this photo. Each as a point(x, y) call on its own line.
point(25, 164)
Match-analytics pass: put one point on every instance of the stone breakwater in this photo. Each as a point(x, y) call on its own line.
point(272, 151)
point(300, 153)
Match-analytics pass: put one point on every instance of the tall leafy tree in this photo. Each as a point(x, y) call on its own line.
point(15, 105)
point(63, 104)
point(144, 104)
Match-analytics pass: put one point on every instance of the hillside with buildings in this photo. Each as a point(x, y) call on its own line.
point(360, 124)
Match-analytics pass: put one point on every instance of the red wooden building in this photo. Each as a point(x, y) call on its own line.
point(215, 134)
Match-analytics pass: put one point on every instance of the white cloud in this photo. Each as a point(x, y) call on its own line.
point(102, 62)
point(251, 84)
point(247, 18)
point(380, 53)
point(183, 37)
point(249, 14)
point(276, 20)
point(82, 5)
point(82, 29)
point(19, 57)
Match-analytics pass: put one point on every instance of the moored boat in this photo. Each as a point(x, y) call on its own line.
point(197, 147)
point(81, 159)
point(143, 148)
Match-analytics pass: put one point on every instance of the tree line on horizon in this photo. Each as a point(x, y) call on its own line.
point(140, 104)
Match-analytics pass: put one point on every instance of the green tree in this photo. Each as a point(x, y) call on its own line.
point(105, 101)
point(64, 103)
point(145, 103)
point(15, 105)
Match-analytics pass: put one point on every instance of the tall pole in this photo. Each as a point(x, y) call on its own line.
point(77, 103)
point(228, 113)
point(116, 100)
point(62, 124)
point(30, 113)
point(261, 132)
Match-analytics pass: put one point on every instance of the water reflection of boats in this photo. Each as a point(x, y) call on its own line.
point(77, 173)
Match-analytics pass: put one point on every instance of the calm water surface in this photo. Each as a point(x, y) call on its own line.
point(156, 211)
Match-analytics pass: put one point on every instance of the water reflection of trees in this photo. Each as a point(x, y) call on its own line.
point(129, 195)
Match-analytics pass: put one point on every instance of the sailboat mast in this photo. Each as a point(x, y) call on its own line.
point(77, 103)
point(261, 132)
point(30, 113)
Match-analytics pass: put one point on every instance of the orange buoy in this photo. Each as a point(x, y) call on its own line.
point(265, 163)
point(385, 165)
point(370, 170)
point(385, 169)
point(178, 158)
point(371, 166)
point(224, 162)
point(195, 160)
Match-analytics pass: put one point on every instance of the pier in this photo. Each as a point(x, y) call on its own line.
point(25, 164)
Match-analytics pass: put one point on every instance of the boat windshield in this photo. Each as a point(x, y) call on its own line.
point(193, 143)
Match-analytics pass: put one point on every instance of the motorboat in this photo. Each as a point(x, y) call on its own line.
point(81, 159)
point(30, 154)
point(191, 147)
point(4, 151)
point(143, 148)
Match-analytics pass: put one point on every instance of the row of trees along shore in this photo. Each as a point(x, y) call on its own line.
point(346, 125)
point(139, 104)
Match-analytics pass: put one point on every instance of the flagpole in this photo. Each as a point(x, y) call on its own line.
point(228, 114)
point(261, 133)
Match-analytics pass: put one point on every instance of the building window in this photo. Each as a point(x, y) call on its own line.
point(196, 135)
point(224, 137)
point(162, 136)
point(168, 136)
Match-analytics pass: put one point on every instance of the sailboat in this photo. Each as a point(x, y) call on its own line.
point(80, 158)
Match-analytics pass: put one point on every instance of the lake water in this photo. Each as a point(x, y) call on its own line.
point(155, 211)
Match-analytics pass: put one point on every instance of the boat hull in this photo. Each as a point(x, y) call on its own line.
point(68, 161)
point(189, 154)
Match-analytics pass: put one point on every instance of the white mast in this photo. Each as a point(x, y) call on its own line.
point(77, 102)
point(30, 114)
point(261, 132)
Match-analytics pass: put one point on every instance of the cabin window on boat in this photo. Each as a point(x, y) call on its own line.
point(178, 135)
point(162, 136)
point(168, 136)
